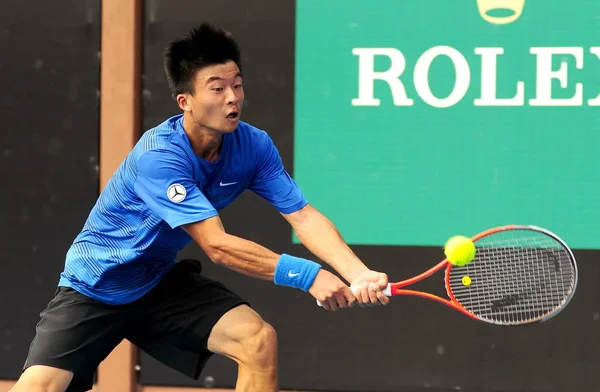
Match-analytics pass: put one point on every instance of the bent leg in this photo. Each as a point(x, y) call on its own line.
point(188, 317)
point(242, 335)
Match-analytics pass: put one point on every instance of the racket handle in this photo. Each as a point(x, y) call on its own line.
point(387, 291)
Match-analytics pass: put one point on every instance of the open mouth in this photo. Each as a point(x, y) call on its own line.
point(233, 115)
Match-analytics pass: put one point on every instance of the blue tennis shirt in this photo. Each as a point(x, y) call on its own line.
point(132, 235)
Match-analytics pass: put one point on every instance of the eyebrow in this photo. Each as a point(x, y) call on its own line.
point(213, 78)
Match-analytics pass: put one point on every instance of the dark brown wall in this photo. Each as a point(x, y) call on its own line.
point(49, 86)
point(49, 71)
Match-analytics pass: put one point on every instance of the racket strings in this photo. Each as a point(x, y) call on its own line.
point(517, 276)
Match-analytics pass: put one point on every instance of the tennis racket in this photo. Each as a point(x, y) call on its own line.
point(520, 275)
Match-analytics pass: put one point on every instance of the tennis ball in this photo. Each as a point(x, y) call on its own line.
point(459, 250)
point(466, 280)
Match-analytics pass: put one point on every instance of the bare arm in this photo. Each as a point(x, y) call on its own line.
point(257, 261)
point(324, 240)
point(231, 251)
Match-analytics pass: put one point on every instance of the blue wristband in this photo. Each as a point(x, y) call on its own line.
point(296, 272)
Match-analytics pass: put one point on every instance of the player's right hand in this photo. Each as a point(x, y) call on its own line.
point(331, 291)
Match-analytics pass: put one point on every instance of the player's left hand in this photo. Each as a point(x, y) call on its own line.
point(369, 288)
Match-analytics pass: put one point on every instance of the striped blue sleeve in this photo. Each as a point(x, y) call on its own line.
point(166, 184)
point(272, 182)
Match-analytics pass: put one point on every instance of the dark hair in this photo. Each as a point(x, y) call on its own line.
point(201, 47)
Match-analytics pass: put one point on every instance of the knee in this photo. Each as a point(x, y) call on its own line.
point(28, 384)
point(42, 379)
point(260, 345)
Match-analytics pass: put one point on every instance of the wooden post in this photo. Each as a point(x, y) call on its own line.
point(120, 126)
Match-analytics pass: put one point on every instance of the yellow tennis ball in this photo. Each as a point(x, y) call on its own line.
point(466, 280)
point(459, 250)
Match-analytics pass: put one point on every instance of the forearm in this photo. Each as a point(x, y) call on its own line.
point(323, 239)
point(244, 256)
point(250, 258)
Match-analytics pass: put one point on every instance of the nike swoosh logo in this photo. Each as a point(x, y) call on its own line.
point(291, 275)
point(227, 183)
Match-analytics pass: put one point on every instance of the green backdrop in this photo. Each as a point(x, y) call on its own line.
point(418, 120)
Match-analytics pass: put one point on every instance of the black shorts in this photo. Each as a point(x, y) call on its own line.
point(171, 323)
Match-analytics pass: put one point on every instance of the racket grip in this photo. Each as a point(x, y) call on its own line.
point(387, 291)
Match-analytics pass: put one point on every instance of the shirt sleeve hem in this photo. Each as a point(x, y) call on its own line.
point(192, 219)
point(292, 208)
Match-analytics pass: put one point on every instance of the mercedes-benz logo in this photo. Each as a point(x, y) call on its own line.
point(176, 193)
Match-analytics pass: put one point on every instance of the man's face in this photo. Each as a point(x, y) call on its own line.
point(218, 97)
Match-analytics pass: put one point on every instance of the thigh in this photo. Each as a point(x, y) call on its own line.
point(76, 333)
point(177, 316)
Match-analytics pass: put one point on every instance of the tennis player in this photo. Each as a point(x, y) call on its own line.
point(121, 279)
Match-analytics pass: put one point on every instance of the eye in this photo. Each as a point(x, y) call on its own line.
point(239, 85)
point(218, 89)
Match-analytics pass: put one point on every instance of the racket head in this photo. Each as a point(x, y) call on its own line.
point(520, 275)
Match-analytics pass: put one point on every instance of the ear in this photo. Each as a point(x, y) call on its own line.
point(183, 102)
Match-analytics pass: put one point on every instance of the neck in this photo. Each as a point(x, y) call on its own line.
point(205, 142)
